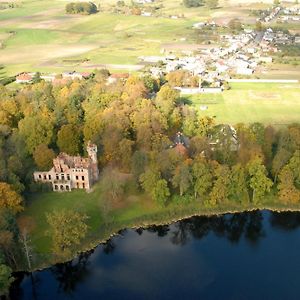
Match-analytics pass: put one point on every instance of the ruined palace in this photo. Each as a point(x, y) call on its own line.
point(71, 172)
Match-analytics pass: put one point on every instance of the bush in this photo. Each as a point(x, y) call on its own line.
point(84, 8)
point(7, 80)
point(192, 3)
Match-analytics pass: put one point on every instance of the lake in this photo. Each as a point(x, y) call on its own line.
point(252, 255)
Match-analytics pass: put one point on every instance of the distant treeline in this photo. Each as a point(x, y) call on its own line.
point(290, 50)
point(84, 8)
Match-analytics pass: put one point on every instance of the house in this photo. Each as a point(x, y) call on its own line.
point(244, 71)
point(143, 1)
point(199, 25)
point(265, 59)
point(199, 90)
point(181, 144)
point(156, 72)
point(117, 76)
point(71, 172)
point(49, 78)
point(75, 75)
point(24, 78)
point(146, 14)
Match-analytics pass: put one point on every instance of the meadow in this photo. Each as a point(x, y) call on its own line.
point(268, 103)
point(136, 211)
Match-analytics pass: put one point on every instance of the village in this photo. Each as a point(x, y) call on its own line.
point(240, 51)
point(235, 56)
point(239, 56)
point(223, 51)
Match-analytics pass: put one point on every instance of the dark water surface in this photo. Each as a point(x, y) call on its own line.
point(236, 256)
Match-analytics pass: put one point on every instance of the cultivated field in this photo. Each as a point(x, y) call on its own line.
point(38, 35)
point(269, 103)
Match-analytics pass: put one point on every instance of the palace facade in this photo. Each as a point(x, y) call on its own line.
point(72, 172)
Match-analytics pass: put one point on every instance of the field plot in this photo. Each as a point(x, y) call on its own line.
point(269, 103)
point(39, 36)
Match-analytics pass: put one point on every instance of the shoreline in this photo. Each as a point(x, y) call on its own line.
point(218, 212)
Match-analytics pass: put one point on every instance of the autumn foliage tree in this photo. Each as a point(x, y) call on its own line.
point(289, 180)
point(67, 229)
point(43, 157)
point(9, 199)
point(69, 139)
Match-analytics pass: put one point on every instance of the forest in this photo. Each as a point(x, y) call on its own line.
point(148, 137)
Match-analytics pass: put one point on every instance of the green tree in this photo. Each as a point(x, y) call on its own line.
point(280, 159)
point(212, 4)
point(235, 24)
point(258, 26)
point(112, 184)
point(203, 177)
point(6, 279)
point(238, 183)
point(67, 229)
point(182, 177)
point(220, 190)
point(138, 163)
point(69, 139)
point(287, 191)
point(9, 199)
point(8, 238)
point(36, 130)
point(294, 165)
point(192, 3)
point(166, 99)
point(149, 179)
point(161, 192)
point(36, 78)
point(258, 180)
point(151, 83)
point(125, 153)
point(84, 8)
point(43, 157)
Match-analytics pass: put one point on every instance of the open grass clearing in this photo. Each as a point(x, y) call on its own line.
point(269, 103)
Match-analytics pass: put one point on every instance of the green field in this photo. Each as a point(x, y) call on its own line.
point(269, 103)
point(38, 35)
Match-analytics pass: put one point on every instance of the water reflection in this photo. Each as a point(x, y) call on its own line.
point(286, 220)
point(172, 248)
point(231, 226)
point(70, 274)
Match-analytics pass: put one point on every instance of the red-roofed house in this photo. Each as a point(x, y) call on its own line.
point(24, 78)
point(117, 76)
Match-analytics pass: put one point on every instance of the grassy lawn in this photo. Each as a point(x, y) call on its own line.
point(269, 103)
point(136, 211)
point(41, 204)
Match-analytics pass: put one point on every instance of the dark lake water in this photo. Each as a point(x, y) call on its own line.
point(236, 256)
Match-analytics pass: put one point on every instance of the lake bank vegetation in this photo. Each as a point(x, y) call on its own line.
point(160, 158)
